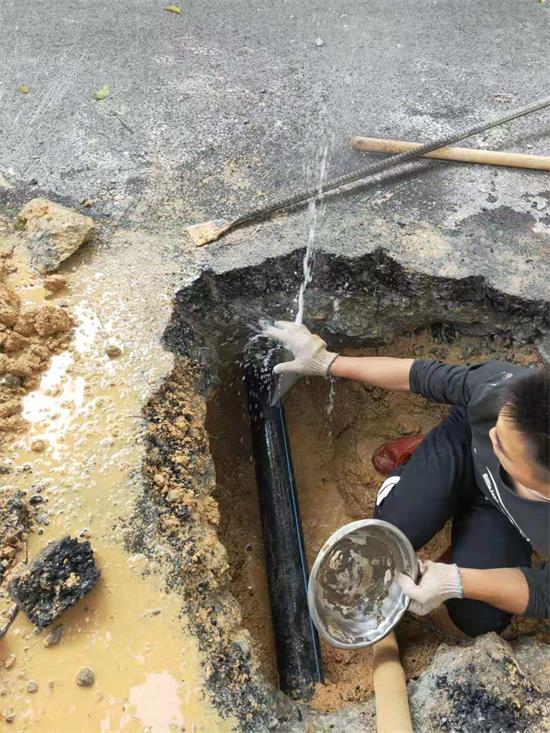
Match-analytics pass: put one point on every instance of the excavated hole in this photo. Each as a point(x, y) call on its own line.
point(365, 305)
point(333, 438)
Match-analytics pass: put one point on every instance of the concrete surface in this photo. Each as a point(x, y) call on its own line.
point(227, 106)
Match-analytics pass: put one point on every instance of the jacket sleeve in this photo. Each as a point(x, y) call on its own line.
point(454, 384)
point(538, 580)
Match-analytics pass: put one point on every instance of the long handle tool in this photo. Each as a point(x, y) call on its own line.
point(211, 230)
point(462, 155)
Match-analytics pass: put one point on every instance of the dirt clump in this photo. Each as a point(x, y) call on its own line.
point(29, 337)
point(55, 283)
point(15, 524)
point(50, 320)
point(56, 579)
point(10, 305)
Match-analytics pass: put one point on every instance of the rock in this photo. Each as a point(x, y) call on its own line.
point(9, 662)
point(55, 283)
point(10, 407)
point(25, 322)
point(113, 350)
point(56, 579)
point(32, 686)
point(543, 345)
point(38, 445)
point(533, 658)
point(12, 342)
point(11, 381)
point(6, 247)
point(10, 305)
point(10, 715)
point(55, 232)
point(85, 677)
point(319, 42)
point(477, 689)
point(49, 320)
point(54, 637)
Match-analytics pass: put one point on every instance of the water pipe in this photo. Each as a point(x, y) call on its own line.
point(296, 642)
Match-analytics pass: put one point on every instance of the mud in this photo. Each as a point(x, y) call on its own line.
point(370, 301)
point(31, 333)
point(29, 336)
point(181, 482)
point(85, 414)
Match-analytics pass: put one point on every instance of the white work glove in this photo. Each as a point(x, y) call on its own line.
point(310, 351)
point(437, 583)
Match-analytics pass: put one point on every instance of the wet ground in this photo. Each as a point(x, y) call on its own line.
point(165, 658)
point(87, 410)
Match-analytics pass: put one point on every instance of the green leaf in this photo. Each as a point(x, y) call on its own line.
point(174, 9)
point(103, 93)
point(24, 89)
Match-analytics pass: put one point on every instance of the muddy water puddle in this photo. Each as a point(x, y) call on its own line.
point(87, 412)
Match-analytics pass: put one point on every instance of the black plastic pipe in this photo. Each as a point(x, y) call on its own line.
point(296, 642)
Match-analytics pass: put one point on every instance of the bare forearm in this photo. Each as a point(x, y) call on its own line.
point(380, 371)
point(504, 588)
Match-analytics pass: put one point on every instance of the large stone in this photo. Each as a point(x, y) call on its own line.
point(479, 688)
point(57, 578)
point(55, 232)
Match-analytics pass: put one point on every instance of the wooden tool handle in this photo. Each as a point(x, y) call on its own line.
point(465, 155)
point(390, 688)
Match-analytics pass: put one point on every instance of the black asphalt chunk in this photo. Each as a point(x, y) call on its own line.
point(56, 579)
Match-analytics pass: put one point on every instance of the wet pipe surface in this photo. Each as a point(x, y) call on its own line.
point(296, 642)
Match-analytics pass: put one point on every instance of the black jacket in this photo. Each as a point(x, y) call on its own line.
point(479, 389)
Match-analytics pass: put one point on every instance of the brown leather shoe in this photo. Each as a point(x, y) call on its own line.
point(394, 453)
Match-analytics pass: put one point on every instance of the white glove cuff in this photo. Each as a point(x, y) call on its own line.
point(451, 582)
point(321, 362)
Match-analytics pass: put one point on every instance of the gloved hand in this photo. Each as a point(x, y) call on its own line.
point(438, 582)
point(310, 351)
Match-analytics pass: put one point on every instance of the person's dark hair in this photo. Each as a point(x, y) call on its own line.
point(527, 403)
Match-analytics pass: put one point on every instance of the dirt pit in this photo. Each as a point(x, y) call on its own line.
point(334, 429)
point(200, 488)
